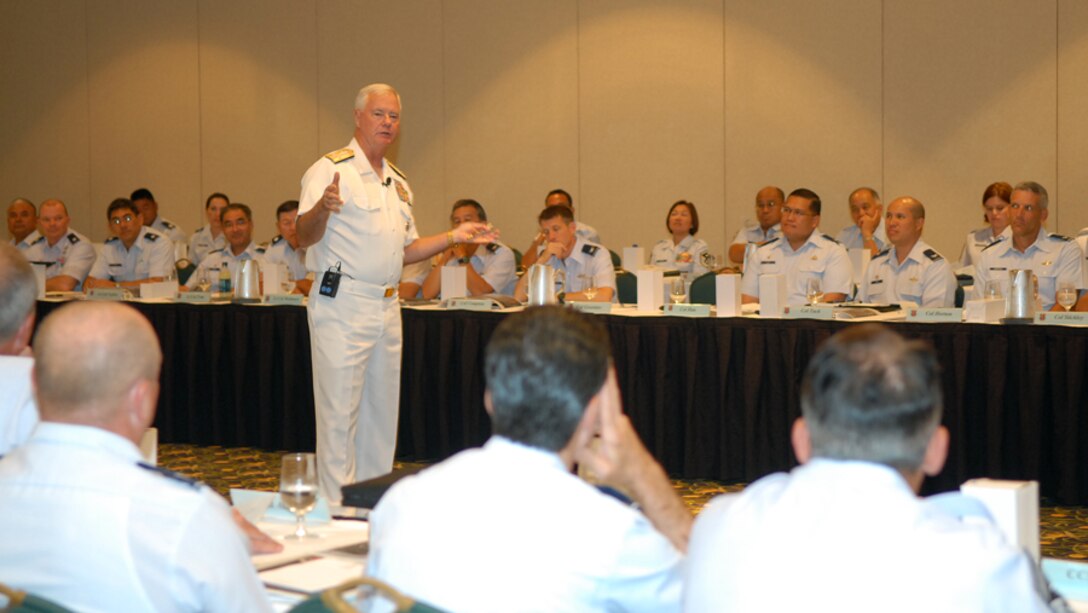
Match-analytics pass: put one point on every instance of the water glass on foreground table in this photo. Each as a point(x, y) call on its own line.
point(298, 489)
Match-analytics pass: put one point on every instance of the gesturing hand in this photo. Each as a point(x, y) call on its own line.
point(330, 200)
point(475, 232)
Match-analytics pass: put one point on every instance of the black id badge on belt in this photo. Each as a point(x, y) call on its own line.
point(330, 282)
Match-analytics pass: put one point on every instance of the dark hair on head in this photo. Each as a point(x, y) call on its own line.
point(811, 196)
point(1000, 190)
point(142, 194)
point(213, 196)
point(236, 206)
point(564, 193)
point(543, 366)
point(480, 212)
point(121, 203)
point(286, 207)
point(691, 209)
point(556, 210)
point(872, 396)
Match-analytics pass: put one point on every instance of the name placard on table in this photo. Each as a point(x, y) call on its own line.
point(1063, 319)
point(108, 293)
point(286, 299)
point(598, 308)
point(808, 312)
point(469, 304)
point(688, 310)
point(933, 315)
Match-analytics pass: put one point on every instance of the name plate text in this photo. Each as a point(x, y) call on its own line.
point(688, 310)
point(195, 297)
point(469, 304)
point(287, 299)
point(598, 308)
point(808, 312)
point(935, 315)
point(1057, 318)
point(107, 293)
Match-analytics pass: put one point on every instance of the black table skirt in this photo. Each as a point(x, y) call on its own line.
point(711, 398)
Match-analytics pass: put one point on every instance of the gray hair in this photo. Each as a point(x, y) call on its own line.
point(18, 290)
point(1035, 188)
point(374, 88)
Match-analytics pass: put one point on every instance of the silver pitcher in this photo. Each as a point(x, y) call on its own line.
point(247, 287)
point(1020, 299)
point(541, 284)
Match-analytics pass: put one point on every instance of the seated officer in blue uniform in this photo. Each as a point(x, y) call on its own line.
point(576, 260)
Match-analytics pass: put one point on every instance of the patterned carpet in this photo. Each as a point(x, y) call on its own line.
point(1063, 530)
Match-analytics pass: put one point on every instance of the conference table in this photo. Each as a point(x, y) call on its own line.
point(710, 397)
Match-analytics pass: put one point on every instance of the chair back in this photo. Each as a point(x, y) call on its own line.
point(626, 287)
point(21, 602)
point(332, 600)
point(703, 290)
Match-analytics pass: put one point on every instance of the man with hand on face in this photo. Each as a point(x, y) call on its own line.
point(910, 270)
point(210, 237)
point(136, 254)
point(583, 230)
point(285, 249)
point(769, 215)
point(22, 223)
point(577, 261)
point(355, 221)
point(867, 231)
point(489, 269)
point(801, 255)
point(67, 254)
point(237, 222)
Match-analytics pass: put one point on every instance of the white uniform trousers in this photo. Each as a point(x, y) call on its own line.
point(355, 342)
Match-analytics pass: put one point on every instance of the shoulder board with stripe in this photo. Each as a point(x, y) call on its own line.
point(492, 247)
point(769, 241)
point(933, 255)
point(397, 170)
point(340, 155)
point(38, 240)
point(277, 239)
point(216, 251)
point(590, 249)
point(830, 239)
point(260, 249)
point(168, 224)
point(1060, 237)
point(72, 238)
point(996, 242)
point(169, 474)
point(882, 253)
point(151, 236)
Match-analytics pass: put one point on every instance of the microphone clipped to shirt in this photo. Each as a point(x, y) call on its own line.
point(388, 181)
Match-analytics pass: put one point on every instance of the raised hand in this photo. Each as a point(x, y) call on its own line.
point(331, 200)
point(475, 232)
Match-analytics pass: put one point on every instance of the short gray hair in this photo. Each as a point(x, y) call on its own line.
point(374, 88)
point(18, 290)
point(1035, 188)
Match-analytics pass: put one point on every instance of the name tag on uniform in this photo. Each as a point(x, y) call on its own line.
point(935, 315)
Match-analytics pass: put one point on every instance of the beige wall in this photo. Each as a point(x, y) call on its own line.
point(629, 104)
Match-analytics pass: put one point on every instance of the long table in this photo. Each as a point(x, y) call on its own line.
point(711, 398)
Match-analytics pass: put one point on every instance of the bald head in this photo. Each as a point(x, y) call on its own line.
point(904, 223)
point(89, 359)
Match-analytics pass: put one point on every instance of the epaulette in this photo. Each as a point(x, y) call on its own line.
point(492, 247)
point(590, 249)
point(996, 242)
point(277, 239)
point(151, 236)
point(260, 250)
point(112, 239)
point(397, 170)
point(38, 240)
point(340, 155)
point(769, 241)
point(217, 251)
point(1060, 237)
point(830, 239)
point(933, 255)
point(169, 474)
point(168, 224)
point(882, 253)
point(199, 230)
point(72, 238)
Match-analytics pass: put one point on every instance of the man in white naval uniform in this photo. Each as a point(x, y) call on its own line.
point(489, 269)
point(576, 260)
point(209, 237)
point(22, 223)
point(355, 220)
point(910, 270)
point(867, 231)
point(88, 524)
point(859, 538)
point(769, 217)
point(801, 254)
point(1053, 258)
point(237, 222)
point(67, 254)
point(149, 208)
point(284, 248)
point(136, 254)
point(583, 230)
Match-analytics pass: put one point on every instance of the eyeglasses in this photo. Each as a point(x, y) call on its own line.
point(787, 211)
point(117, 220)
point(1029, 208)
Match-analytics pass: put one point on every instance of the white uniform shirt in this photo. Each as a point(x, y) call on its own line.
point(170, 229)
point(924, 278)
point(587, 232)
point(202, 243)
point(977, 240)
point(849, 536)
point(819, 257)
point(209, 267)
point(73, 256)
point(415, 273)
point(1082, 241)
point(1053, 258)
point(27, 240)
point(756, 234)
point(151, 255)
point(543, 541)
point(281, 252)
point(495, 263)
point(585, 260)
point(87, 526)
point(850, 237)
point(18, 411)
point(668, 255)
point(377, 212)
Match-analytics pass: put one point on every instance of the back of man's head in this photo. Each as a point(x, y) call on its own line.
point(18, 291)
point(88, 356)
point(872, 396)
point(543, 366)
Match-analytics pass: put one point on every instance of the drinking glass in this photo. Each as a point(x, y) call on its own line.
point(589, 286)
point(298, 489)
point(678, 290)
point(993, 289)
point(812, 291)
point(1067, 295)
point(204, 283)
